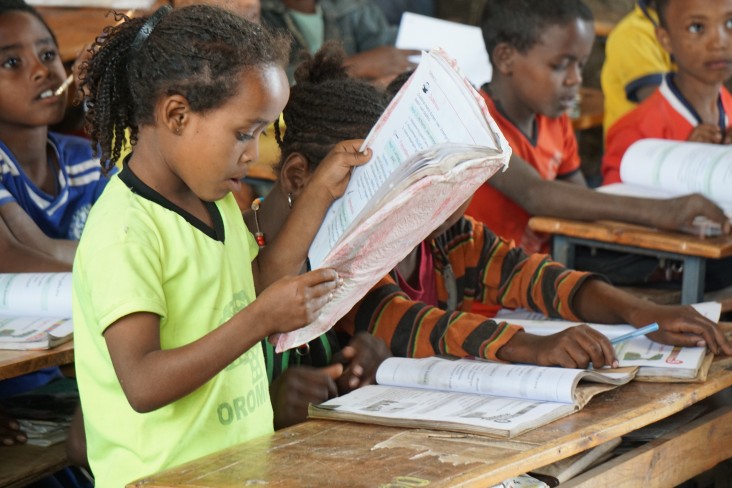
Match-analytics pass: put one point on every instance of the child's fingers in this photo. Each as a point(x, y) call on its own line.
point(321, 276)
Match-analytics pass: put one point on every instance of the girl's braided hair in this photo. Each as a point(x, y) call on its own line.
point(326, 107)
point(197, 52)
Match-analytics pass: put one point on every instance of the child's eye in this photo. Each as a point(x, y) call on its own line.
point(560, 66)
point(49, 55)
point(11, 63)
point(695, 28)
point(728, 24)
point(241, 136)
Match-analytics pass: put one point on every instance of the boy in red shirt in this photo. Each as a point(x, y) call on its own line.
point(692, 103)
point(538, 49)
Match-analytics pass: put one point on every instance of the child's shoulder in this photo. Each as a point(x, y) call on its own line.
point(72, 149)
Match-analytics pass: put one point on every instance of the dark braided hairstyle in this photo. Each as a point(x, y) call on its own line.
point(7, 6)
point(326, 107)
point(520, 23)
point(197, 52)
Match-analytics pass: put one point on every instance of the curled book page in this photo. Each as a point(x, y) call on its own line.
point(432, 148)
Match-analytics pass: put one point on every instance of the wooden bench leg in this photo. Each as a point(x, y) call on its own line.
point(563, 250)
point(692, 285)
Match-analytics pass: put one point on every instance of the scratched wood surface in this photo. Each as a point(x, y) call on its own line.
point(16, 363)
point(634, 235)
point(319, 453)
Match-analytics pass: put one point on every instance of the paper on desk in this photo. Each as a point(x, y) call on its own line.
point(111, 4)
point(464, 41)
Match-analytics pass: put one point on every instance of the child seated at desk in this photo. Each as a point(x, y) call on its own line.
point(538, 49)
point(168, 357)
point(48, 181)
point(692, 103)
point(425, 306)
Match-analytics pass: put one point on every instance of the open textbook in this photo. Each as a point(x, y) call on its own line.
point(468, 395)
point(432, 148)
point(658, 168)
point(657, 362)
point(35, 310)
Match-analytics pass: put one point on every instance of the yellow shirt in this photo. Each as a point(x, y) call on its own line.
point(633, 59)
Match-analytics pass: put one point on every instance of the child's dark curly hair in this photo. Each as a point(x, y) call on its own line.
point(197, 52)
point(8, 6)
point(326, 107)
point(520, 23)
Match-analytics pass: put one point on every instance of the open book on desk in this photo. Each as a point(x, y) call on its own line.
point(35, 310)
point(657, 168)
point(468, 395)
point(432, 148)
point(657, 362)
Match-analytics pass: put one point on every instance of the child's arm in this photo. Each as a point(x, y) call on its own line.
point(152, 377)
point(599, 302)
point(286, 254)
point(25, 248)
point(537, 196)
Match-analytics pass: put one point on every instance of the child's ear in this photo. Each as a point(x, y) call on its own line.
point(664, 39)
point(174, 113)
point(503, 58)
point(294, 174)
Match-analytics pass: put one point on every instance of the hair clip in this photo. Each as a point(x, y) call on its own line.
point(148, 26)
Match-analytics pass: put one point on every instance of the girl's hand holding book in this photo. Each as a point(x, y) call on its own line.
point(294, 301)
point(332, 174)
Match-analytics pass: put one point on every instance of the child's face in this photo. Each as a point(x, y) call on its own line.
point(699, 35)
point(30, 71)
point(218, 146)
point(547, 78)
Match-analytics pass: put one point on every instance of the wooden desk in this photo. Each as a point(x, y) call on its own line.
point(21, 465)
point(16, 363)
point(592, 109)
point(76, 27)
point(616, 236)
point(319, 453)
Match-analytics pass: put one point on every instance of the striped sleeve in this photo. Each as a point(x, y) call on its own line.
point(489, 271)
point(512, 279)
point(415, 329)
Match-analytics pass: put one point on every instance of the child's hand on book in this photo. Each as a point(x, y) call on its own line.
point(10, 432)
point(295, 301)
point(681, 325)
point(575, 347)
point(686, 212)
point(709, 133)
point(332, 174)
point(360, 358)
point(298, 386)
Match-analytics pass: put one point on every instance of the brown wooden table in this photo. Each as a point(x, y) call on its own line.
point(76, 27)
point(320, 453)
point(695, 252)
point(16, 363)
